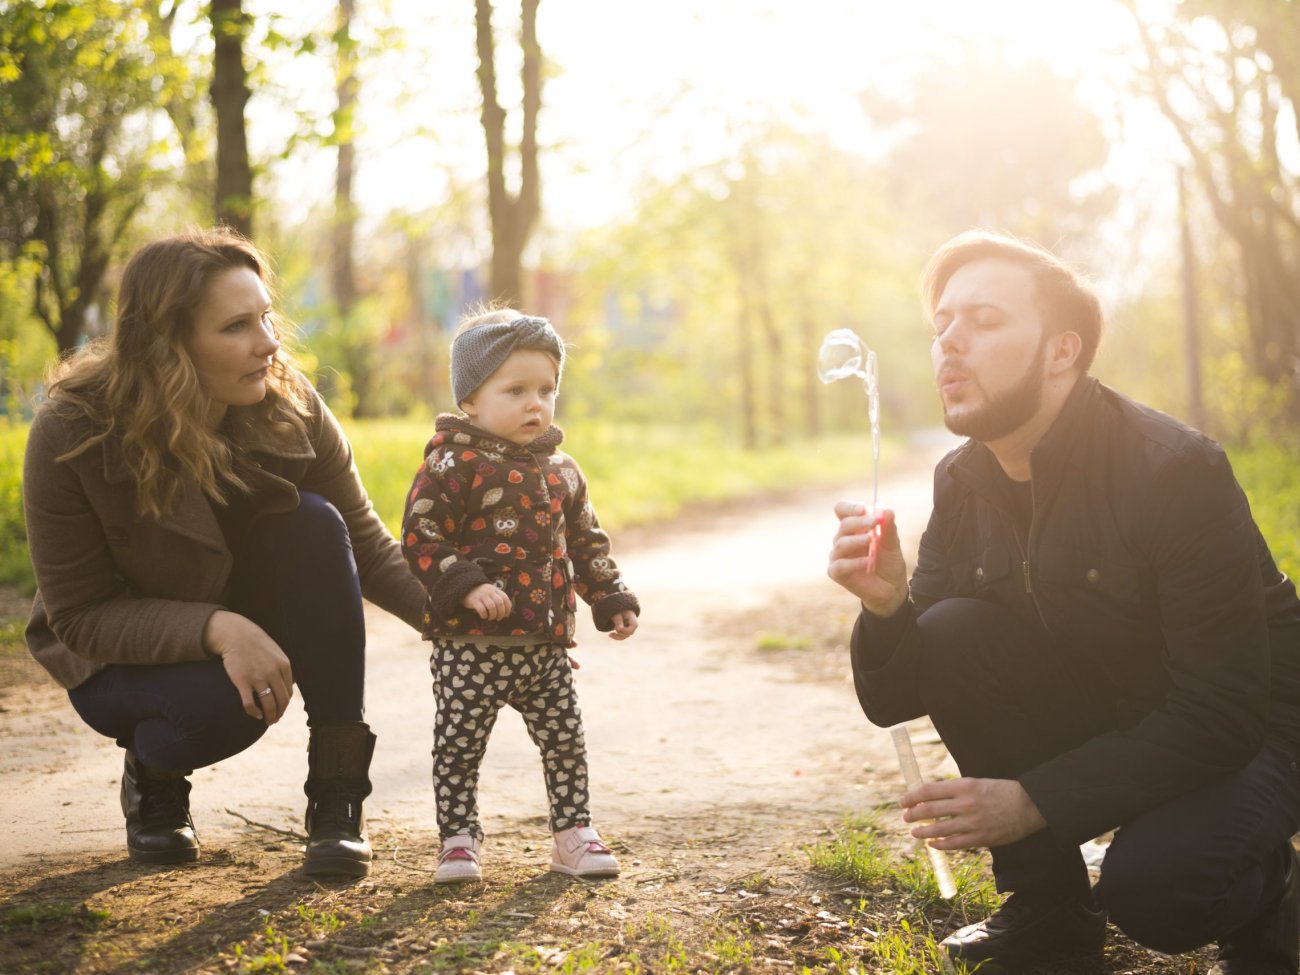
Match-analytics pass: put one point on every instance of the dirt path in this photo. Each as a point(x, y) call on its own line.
point(725, 740)
point(677, 726)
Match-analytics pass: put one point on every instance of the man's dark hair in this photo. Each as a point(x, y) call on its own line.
point(1068, 302)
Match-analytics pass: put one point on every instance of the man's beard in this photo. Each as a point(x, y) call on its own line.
point(1008, 411)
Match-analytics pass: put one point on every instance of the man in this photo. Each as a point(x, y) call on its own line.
point(1098, 632)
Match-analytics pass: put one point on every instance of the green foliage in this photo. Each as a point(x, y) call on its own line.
point(387, 452)
point(1246, 409)
point(15, 566)
point(1270, 475)
point(78, 84)
point(26, 346)
point(710, 303)
point(640, 474)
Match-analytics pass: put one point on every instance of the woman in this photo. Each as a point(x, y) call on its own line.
point(202, 542)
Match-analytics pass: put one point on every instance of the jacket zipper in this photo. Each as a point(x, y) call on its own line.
point(1024, 556)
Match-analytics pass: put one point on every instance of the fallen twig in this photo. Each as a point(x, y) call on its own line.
point(355, 951)
point(411, 866)
point(294, 834)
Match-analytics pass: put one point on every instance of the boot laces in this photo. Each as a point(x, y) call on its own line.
point(335, 803)
point(165, 800)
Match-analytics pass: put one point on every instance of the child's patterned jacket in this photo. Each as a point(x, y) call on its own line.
point(486, 510)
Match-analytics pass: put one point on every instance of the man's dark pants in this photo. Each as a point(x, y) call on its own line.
point(1005, 699)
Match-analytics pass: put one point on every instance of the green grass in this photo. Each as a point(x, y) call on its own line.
point(783, 641)
point(859, 855)
point(34, 915)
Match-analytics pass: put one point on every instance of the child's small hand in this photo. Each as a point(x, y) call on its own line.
point(624, 625)
point(488, 601)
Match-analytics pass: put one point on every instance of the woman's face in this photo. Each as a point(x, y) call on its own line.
point(232, 343)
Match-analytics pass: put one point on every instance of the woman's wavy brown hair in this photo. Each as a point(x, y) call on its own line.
point(139, 385)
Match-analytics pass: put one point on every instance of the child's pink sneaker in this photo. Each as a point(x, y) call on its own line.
point(580, 853)
point(458, 861)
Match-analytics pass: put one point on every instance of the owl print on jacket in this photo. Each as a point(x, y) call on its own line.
point(505, 522)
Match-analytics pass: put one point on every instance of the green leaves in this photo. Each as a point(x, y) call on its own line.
point(79, 87)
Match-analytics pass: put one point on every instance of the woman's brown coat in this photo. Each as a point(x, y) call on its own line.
point(115, 587)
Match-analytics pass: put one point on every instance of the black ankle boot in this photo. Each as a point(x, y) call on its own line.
point(157, 809)
point(1270, 944)
point(1030, 930)
point(338, 780)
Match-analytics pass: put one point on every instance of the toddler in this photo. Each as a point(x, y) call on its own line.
point(499, 529)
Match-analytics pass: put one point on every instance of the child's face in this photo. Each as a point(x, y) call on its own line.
point(517, 402)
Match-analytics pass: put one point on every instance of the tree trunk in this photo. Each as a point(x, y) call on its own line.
point(775, 344)
point(1192, 343)
point(512, 216)
point(66, 289)
point(507, 271)
point(420, 326)
point(234, 197)
point(756, 262)
point(745, 336)
point(345, 285)
point(812, 390)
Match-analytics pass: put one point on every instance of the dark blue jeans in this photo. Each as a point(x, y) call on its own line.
point(297, 579)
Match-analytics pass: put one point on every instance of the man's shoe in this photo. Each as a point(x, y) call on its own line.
point(157, 809)
point(1270, 944)
point(338, 780)
point(1030, 930)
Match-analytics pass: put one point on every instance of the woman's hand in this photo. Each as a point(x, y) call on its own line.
point(624, 625)
point(253, 662)
point(488, 601)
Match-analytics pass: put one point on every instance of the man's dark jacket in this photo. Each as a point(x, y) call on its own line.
point(1145, 567)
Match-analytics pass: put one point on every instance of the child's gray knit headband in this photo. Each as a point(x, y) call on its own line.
point(478, 353)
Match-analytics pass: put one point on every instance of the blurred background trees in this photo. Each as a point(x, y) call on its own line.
point(696, 265)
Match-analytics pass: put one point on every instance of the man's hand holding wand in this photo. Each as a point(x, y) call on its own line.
point(867, 560)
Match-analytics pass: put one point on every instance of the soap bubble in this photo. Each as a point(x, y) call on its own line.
point(844, 355)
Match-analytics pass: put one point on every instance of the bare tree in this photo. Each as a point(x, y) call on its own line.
point(513, 216)
point(234, 196)
point(1232, 132)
